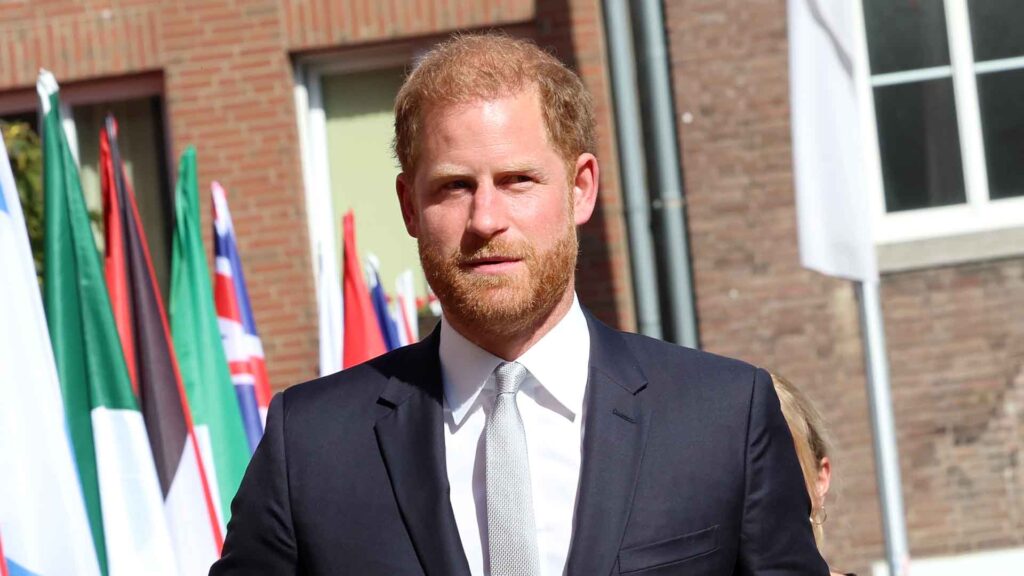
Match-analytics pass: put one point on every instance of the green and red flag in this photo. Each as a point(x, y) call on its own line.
point(108, 434)
point(197, 341)
point(153, 368)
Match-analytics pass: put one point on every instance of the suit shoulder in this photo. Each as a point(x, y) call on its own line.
point(651, 352)
point(355, 388)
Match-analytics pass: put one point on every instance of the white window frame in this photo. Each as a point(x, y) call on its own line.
point(980, 214)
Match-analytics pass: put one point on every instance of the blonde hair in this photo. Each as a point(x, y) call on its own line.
point(471, 67)
point(810, 437)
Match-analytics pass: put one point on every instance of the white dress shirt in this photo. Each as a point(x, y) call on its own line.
point(550, 401)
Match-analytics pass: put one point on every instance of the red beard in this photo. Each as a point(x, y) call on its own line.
point(501, 304)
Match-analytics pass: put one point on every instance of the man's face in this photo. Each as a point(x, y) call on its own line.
point(494, 211)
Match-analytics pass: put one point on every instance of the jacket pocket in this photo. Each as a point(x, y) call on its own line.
point(671, 551)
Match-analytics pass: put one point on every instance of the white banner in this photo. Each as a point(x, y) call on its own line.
point(833, 207)
point(43, 520)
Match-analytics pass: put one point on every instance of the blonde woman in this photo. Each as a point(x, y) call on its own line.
point(812, 448)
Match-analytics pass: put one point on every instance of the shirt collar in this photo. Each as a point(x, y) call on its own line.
point(560, 362)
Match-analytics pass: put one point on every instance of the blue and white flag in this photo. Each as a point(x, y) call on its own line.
point(388, 328)
point(42, 511)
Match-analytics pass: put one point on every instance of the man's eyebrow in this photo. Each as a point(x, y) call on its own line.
point(524, 167)
point(444, 171)
point(450, 171)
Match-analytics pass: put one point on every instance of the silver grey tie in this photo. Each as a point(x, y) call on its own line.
point(511, 529)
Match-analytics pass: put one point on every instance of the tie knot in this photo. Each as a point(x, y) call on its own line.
point(508, 376)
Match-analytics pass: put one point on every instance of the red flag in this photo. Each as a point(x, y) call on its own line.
point(3, 560)
point(363, 339)
point(116, 263)
point(146, 341)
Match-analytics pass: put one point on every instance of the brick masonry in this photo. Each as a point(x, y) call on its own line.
point(227, 72)
point(955, 334)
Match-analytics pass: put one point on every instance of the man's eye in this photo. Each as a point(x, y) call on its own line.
point(456, 185)
point(520, 179)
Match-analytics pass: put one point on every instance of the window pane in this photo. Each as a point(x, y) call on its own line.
point(360, 124)
point(1002, 119)
point(996, 28)
point(141, 141)
point(905, 34)
point(920, 146)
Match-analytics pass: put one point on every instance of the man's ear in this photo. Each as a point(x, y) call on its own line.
point(403, 185)
point(585, 183)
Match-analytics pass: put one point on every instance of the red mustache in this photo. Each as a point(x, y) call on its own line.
point(495, 250)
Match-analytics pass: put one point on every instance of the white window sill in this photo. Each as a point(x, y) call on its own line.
point(950, 250)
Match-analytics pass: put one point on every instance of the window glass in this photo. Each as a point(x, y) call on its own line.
point(141, 142)
point(906, 34)
point(920, 146)
point(142, 150)
point(360, 126)
point(997, 28)
point(1000, 95)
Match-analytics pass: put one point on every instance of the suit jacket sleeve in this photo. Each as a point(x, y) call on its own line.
point(776, 536)
point(261, 538)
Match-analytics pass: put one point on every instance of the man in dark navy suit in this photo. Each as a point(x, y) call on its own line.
point(523, 436)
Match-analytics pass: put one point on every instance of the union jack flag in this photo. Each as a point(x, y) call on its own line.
point(242, 344)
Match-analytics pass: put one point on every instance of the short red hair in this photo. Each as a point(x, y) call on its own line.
point(470, 67)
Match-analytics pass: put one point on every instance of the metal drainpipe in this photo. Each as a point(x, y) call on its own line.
point(656, 91)
point(631, 160)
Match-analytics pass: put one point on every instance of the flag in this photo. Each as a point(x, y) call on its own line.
point(3, 559)
point(153, 368)
point(329, 308)
point(237, 324)
point(363, 339)
point(322, 236)
point(433, 304)
point(381, 309)
point(833, 215)
point(108, 435)
point(42, 513)
point(405, 308)
point(204, 368)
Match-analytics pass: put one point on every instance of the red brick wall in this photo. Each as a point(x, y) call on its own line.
point(956, 343)
point(76, 39)
point(573, 29)
point(228, 89)
point(311, 24)
point(956, 335)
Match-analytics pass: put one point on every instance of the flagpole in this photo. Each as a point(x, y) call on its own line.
point(887, 466)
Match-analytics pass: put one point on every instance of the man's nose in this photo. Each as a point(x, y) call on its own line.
point(487, 216)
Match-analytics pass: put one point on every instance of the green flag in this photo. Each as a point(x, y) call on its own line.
point(204, 368)
point(122, 494)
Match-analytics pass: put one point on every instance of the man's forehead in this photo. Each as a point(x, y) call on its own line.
point(445, 108)
point(450, 130)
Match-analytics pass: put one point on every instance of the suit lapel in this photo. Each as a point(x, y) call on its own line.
point(411, 440)
point(617, 420)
